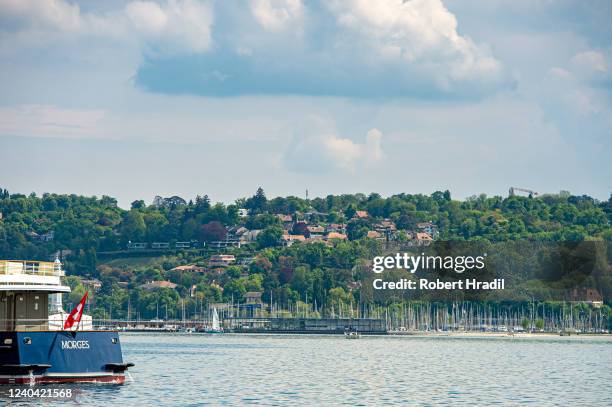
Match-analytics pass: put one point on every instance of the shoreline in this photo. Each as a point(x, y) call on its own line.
point(523, 335)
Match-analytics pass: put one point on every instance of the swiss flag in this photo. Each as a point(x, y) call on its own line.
point(75, 314)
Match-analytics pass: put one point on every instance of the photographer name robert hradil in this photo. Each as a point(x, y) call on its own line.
point(458, 264)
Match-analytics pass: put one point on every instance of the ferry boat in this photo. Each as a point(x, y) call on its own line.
point(34, 346)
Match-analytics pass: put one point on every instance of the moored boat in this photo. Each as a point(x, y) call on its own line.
point(39, 347)
point(352, 334)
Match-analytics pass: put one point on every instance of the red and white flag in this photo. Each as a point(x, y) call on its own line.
point(76, 313)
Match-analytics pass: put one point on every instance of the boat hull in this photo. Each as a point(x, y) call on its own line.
point(43, 379)
point(61, 357)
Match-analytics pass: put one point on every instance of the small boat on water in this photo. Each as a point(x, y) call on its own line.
point(351, 334)
point(215, 328)
point(39, 347)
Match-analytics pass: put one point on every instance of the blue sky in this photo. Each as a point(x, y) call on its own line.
point(141, 98)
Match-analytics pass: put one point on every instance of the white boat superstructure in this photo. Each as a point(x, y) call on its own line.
point(31, 276)
point(26, 288)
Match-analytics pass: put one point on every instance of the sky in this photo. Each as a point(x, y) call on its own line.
point(134, 99)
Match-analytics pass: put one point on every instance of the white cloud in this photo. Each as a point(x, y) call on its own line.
point(421, 33)
point(316, 147)
point(589, 65)
point(574, 90)
point(50, 121)
point(147, 16)
point(189, 25)
point(173, 26)
point(276, 15)
point(45, 14)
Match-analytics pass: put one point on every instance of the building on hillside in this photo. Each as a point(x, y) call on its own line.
point(336, 227)
point(353, 285)
point(587, 295)
point(45, 237)
point(190, 268)
point(429, 228)
point(183, 245)
point(253, 297)
point(285, 218)
point(236, 231)
point(243, 213)
point(153, 285)
point(288, 240)
point(158, 201)
point(316, 230)
point(160, 245)
point(361, 215)
point(136, 246)
point(316, 239)
point(92, 283)
point(372, 234)
point(385, 227)
point(221, 260)
point(423, 239)
point(250, 236)
point(228, 242)
point(336, 235)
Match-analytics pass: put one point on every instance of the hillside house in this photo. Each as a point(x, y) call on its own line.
point(429, 228)
point(336, 235)
point(190, 268)
point(153, 285)
point(221, 260)
point(423, 239)
point(288, 240)
point(253, 297)
point(361, 215)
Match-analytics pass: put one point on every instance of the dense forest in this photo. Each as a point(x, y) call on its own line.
point(92, 236)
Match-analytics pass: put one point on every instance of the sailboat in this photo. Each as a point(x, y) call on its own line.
point(216, 326)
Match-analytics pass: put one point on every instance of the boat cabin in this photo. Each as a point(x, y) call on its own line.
point(28, 289)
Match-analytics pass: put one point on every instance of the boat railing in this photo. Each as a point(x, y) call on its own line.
point(53, 323)
point(37, 268)
point(24, 324)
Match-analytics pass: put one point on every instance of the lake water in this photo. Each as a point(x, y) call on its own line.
point(198, 369)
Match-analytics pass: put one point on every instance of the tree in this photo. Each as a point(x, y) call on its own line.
point(356, 229)
point(300, 280)
point(213, 231)
point(350, 211)
point(258, 202)
point(525, 324)
point(133, 226)
point(234, 290)
point(260, 265)
point(269, 237)
point(139, 204)
point(300, 228)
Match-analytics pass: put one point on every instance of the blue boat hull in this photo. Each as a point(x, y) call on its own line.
point(59, 356)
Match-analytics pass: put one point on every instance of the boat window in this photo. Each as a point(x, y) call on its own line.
point(27, 340)
point(114, 340)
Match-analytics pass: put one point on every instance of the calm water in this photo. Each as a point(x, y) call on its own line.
point(197, 369)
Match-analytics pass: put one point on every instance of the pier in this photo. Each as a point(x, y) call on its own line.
point(366, 326)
